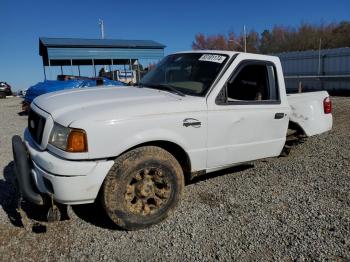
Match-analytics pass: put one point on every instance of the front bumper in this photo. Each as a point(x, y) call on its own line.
point(68, 182)
point(22, 172)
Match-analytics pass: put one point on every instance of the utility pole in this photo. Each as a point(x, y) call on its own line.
point(102, 29)
point(319, 57)
point(245, 39)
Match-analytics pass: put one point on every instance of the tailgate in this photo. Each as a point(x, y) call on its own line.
point(307, 110)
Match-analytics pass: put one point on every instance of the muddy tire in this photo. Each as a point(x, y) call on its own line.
point(142, 188)
point(2, 95)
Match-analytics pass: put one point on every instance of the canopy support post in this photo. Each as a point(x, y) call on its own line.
point(138, 72)
point(50, 69)
point(93, 64)
point(112, 69)
point(44, 72)
point(71, 66)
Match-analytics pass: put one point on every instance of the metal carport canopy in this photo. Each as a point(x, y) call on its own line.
point(77, 51)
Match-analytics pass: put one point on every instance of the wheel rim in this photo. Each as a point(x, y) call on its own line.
point(148, 191)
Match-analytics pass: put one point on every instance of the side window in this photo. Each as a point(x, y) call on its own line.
point(253, 82)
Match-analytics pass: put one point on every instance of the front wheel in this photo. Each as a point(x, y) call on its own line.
point(142, 188)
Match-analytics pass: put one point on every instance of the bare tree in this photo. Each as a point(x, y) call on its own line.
point(280, 39)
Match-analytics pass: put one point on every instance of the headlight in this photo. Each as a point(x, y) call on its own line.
point(68, 139)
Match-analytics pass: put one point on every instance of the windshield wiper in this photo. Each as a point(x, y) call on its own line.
point(164, 86)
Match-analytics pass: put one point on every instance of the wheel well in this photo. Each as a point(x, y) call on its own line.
point(295, 126)
point(177, 151)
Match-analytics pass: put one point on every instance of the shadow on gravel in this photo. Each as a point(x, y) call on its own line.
point(23, 113)
point(9, 196)
point(90, 213)
point(95, 215)
point(10, 202)
point(223, 172)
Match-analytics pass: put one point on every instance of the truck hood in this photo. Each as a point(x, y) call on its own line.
point(106, 104)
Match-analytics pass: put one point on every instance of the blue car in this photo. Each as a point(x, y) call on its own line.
point(55, 85)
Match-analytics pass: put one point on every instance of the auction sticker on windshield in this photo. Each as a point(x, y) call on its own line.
point(212, 58)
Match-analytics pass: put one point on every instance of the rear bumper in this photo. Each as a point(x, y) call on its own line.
point(69, 182)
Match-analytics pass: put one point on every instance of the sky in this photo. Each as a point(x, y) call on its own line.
point(173, 23)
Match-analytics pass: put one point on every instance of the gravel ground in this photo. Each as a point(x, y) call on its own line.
point(293, 208)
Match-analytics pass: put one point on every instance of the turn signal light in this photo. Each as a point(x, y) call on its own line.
point(327, 105)
point(77, 141)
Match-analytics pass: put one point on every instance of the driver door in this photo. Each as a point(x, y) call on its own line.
point(247, 120)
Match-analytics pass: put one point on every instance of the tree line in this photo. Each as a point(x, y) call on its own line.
point(280, 39)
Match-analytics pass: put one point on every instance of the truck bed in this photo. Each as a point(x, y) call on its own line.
point(307, 111)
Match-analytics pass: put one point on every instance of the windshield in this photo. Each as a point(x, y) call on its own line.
point(186, 73)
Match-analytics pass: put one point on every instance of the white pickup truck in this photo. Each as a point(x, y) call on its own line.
point(133, 147)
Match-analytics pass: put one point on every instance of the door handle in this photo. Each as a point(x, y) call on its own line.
point(279, 115)
point(191, 122)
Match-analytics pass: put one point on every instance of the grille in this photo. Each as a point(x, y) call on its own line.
point(36, 124)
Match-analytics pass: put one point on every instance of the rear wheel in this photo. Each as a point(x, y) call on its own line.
point(2, 95)
point(142, 188)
